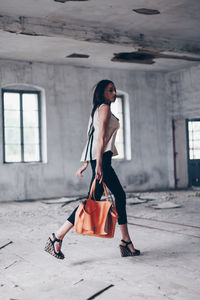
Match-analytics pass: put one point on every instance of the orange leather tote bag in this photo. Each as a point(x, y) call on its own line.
point(96, 218)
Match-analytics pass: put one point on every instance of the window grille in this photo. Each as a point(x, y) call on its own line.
point(21, 126)
point(194, 139)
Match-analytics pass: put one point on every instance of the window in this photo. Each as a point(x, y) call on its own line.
point(117, 109)
point(21, 126)
point(194, 139)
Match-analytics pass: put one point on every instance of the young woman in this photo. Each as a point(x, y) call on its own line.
point(99, 149)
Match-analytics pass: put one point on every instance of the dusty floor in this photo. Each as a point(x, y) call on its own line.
point(165, 226)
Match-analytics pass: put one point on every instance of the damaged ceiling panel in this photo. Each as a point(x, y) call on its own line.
point(147, 57)
point(134, 57)
point(147, 11)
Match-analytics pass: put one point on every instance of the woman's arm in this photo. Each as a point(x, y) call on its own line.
point(104, 115)
point(82, 169)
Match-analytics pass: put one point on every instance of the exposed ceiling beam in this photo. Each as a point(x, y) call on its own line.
point(88, 32)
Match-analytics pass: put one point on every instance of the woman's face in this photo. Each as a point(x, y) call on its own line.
point(110, 93)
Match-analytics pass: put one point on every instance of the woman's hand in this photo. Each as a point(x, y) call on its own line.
point(99, 173)
point(81, 170)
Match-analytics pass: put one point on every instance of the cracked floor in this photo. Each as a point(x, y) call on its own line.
point(165, 226)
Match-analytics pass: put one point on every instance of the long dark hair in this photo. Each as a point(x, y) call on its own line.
point(98, 96)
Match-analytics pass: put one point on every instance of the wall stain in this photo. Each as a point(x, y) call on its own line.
point(138, 179)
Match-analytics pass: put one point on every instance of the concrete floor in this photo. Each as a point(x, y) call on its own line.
point(165, 226)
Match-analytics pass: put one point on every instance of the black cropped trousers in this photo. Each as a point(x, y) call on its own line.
point(111, 180)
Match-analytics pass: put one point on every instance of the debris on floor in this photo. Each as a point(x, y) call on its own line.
point(166, 205)
point(6, 245)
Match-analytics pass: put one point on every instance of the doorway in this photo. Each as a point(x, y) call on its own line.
point(193, 150)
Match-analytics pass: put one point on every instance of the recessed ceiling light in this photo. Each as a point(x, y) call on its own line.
point(147, 11)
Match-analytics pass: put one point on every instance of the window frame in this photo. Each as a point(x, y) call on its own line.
point(21, 92)
point(188, 138)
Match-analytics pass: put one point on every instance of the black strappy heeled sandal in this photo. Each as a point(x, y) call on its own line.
point(125, 251)
point(51, 249)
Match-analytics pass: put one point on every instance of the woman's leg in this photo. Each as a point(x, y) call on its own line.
point(60, 234)
point(126, 236)
point(114, 185)
point(111, 180)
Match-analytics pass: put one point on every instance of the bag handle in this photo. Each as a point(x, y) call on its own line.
point(106, 193)
point(92, 192)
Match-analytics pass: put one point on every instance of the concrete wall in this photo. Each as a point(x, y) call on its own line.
point(183, 93)
point(184, 89)
point(68, 105)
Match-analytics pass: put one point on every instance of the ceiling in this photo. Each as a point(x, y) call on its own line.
point(50, 31)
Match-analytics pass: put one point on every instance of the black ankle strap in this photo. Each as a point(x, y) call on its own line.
point(55, 238)
point(127, 243)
